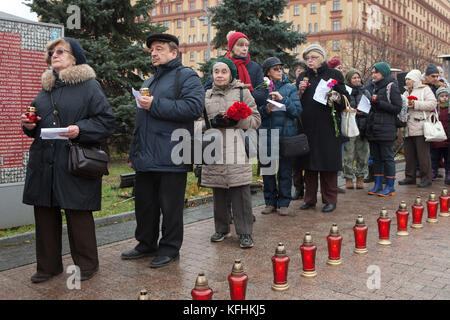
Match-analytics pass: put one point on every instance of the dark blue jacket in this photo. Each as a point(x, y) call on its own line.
point(151, 146)
point(256, 77)
point(276, 119)
point(381, 124)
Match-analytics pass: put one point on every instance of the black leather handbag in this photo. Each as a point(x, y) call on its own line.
point(294, 146)
point(84, 161)
point(87, 162)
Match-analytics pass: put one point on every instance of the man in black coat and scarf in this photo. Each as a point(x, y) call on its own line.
point(160, 183)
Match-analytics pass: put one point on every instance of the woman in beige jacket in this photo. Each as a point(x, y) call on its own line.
point(416, 149)
point(234, 172)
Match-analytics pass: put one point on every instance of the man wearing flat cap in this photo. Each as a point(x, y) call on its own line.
point(176, 99)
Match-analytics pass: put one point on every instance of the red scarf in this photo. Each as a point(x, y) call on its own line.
point(242, 70)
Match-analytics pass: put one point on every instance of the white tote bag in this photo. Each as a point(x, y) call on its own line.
point(349, 127)
point(433, 129)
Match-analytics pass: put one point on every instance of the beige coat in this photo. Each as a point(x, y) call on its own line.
point(427, 102)
point(230, 172)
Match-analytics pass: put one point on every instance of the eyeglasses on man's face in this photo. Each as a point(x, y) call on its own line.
point(57, 51)
point(277, 69)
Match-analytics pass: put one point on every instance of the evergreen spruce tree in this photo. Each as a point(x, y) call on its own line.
point(259, 21)
point(112, 33)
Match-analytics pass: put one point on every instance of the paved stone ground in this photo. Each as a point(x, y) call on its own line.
point(413, 267)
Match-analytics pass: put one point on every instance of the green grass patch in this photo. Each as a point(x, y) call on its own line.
point(115, 201)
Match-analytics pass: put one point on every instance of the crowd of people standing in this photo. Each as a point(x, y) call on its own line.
point(178, 99)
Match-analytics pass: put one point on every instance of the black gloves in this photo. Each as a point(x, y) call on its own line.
point(219, 122)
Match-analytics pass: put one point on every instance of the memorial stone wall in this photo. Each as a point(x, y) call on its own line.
point(22, 62)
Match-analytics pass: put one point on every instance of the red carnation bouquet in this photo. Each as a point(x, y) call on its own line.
point(238, 111)
point(411, 99)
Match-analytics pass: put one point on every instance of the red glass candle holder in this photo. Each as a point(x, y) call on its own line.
point(31, 114)
point(334, 241)
point(280, 263)
point(417, 213)
point(443, 202)
point(432, 207)
point(360, 231)
point(237, 281)
point(402, 219)
point(308, 251)
point(201, 290)
point(384, 227)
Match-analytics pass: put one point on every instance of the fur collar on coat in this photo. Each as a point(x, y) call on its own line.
point(70, 76)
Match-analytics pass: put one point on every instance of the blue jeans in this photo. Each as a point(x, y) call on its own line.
point(280, 197)
point(383, 157)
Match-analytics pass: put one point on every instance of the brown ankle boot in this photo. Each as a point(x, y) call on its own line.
point(360, 183)
point(349, 183)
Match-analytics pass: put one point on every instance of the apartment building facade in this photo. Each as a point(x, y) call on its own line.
point(407, 33)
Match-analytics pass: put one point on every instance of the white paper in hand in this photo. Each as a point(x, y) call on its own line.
point(53, 133)
point(364, 104)
point(136, 95)
point(349, 89)
point(279, 106)
point(321, 92)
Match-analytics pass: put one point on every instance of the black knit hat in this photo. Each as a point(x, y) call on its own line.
point(77, 50)
point(431, 69)
point(269, 63)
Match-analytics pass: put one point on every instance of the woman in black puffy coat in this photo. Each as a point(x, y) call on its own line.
point(381, 129)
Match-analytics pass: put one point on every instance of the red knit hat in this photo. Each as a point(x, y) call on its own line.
point(333, 63)
point(235, 37)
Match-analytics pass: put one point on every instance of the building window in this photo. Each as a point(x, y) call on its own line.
point(166, 24)
point(205, 4)
point(296, 50)
point(336, 5)
point(313, 8)
point(166, 10)
point(205, 55)
point(296, 10)
point(179, 23)
point(316, 27)
point(336, 45)
point(192, 6)
point(194, 39)
point(336, 25)
point(153, 12)
point(190, 39)
point(192, 56)
point(192, 22)
point(179, 7)
point(310, 28)
point(203, 37)
point(298, 28)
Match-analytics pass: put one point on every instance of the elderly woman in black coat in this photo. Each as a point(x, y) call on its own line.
point(73, 99)
point(321, 124)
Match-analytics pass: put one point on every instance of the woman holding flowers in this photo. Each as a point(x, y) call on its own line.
point(229, 106)
point(283, 120)
point(421, 101)
point(321, 124)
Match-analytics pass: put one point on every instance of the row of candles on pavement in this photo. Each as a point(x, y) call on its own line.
point(238, 279)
